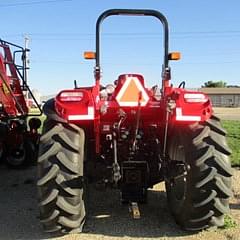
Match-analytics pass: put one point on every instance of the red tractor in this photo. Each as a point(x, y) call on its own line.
point(18, 140)
point(128, 136)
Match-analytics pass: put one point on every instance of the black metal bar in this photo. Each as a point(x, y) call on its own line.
point(9, 43)
point(132, 12)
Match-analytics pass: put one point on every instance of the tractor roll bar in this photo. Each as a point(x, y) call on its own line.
point(132, 12)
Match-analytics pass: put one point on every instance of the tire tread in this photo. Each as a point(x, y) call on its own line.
point(60, 162)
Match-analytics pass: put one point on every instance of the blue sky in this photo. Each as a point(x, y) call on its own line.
point(207, 33)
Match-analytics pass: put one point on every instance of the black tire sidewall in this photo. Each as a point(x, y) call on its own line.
point(182, 209)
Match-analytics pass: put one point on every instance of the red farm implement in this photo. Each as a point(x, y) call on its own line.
point(18, 142)
point(129, 136)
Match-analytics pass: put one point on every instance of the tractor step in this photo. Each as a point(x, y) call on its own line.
point(134, 210)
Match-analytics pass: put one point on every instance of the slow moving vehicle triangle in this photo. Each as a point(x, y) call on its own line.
point(131, 92)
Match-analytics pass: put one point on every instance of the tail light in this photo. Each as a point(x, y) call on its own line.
point(195, 98)
point(75, 96)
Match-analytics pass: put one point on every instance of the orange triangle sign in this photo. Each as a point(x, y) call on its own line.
point(131, 93)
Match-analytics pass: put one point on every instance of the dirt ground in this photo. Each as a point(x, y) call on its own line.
point(227, 113)
point(108, 219)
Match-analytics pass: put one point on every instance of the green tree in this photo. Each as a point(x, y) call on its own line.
point(219, 84)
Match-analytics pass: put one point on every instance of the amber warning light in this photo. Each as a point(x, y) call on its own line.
point(174, 56)
point(89, 55)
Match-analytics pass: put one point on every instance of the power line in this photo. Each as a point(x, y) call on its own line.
point(88, 36)
point(32, 3)
point(135, 33)
point(153, 64)
point(208, 32)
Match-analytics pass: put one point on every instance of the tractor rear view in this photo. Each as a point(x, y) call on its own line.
point(18, 141)
point(131, 137)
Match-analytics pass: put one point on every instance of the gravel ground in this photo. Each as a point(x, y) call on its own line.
point(108, 219)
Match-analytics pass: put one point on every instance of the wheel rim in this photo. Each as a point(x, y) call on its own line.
point(179, 184)
point(179, 188)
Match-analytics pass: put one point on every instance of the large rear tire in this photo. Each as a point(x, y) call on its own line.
point(198, 198)
point(60, 177)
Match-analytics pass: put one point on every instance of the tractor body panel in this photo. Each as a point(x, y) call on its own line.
point(135, 116)
point(82, 106)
